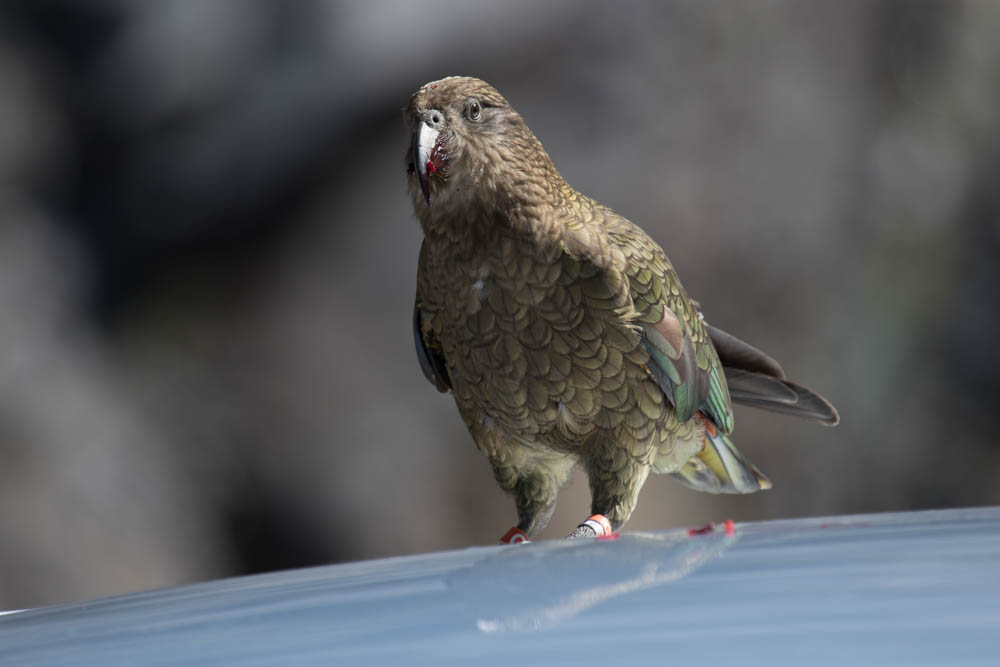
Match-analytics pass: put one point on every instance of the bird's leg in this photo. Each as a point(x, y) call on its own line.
point(615, 480)
point(597, 525)
point(534, 488)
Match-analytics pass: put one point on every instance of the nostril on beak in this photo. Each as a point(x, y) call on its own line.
point(435, 119)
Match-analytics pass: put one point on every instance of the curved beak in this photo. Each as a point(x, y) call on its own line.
point(424, 141)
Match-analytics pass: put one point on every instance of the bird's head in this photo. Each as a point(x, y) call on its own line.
point(468, 146)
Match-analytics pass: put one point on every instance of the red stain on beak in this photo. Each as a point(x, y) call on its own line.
point(436, 164)
point(425, 180)
point(429, 159)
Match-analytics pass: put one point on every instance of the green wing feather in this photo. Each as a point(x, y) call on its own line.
point(682, 358)
point(635, 271)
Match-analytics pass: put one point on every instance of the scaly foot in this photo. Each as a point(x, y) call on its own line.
point(596, 526)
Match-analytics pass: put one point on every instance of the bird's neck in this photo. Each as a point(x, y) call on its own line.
point(520, 200)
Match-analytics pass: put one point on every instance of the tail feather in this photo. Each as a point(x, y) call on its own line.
point(748, 386)
point(739, 354)
point(720, 468)
point(779, 395)
point(758, 381)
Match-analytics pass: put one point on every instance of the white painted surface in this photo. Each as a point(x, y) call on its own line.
point(917, 588)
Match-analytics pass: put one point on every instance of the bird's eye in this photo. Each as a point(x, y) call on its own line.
point(475, 111)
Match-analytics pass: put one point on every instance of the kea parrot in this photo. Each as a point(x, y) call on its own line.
point(562, 330)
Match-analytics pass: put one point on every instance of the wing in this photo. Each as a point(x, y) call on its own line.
point(432, 361)
point(682, 359)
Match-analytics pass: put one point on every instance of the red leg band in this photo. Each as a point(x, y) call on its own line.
point(514, 536)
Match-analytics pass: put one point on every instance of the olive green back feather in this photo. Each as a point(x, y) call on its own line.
point(683, 360)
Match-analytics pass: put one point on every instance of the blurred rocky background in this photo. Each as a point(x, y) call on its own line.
point(207, 262)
